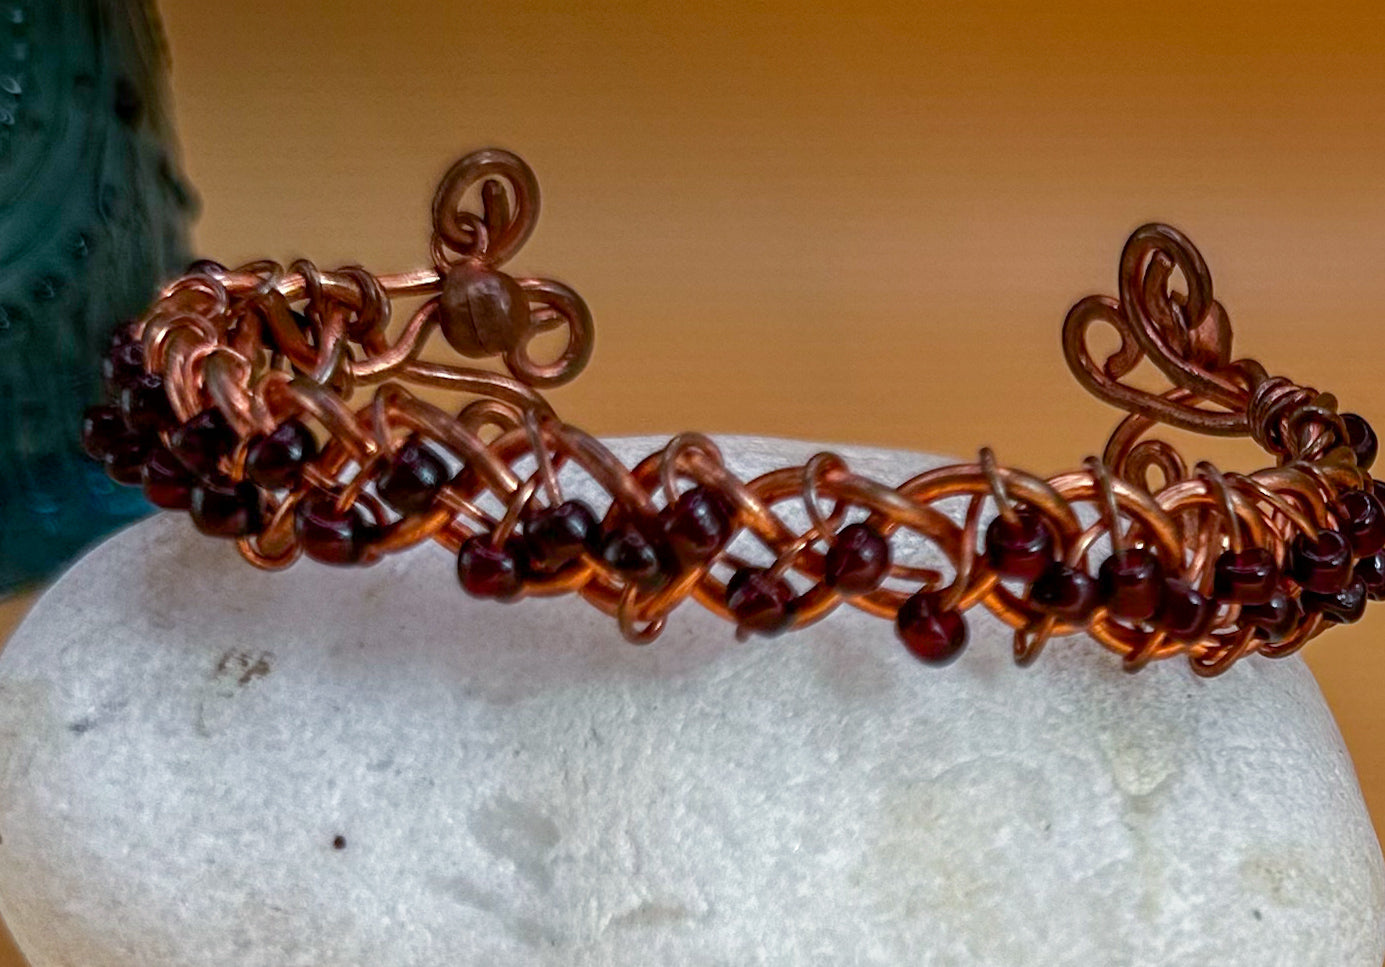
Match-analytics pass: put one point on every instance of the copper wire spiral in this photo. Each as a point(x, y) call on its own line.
point(264, 344)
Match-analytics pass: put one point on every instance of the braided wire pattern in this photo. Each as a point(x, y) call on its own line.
point(263, 344)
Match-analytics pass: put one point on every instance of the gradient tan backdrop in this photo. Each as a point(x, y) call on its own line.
point(857, 222)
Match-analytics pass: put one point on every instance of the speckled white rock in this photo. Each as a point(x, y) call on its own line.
point(183, 737)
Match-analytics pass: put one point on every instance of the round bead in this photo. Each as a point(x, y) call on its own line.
point(858, 559)
point(1322, 565)
point(124, 461)
point(1342, 607)
point(1185, 614)
point(1276, 619)
point(276, 461)
point(224, 509)
point(1019, 548)
point(1248, 576)
point(102, 428)
point(697, 525)
point(482, 312)
point(1361, 438)
point(167, 482)
point(122, 365)
point(1362, 519)
point(1067, 593)
point(556, 536)
point(412, 478)
point(761, 602)
point(329, 535)
point(490, 571)
point(630, 551)
point(1371, 571)
point(1131, 582)
point(933, 635)
point(202, 441)
point(145, 406)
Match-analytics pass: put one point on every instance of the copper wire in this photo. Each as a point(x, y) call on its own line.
point(264, 344)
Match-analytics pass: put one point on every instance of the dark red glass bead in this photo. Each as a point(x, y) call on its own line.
point(124, 461)
point(1019, 548)
point(1131, 582)
point(933, 635)
point(1362, 518)
point(1371, 571)
point(276, 461)
point(697, 525)
point(1361, 438)
point(122, 365)
point(1322, 565)
point(629, 550)
point(145, 406)
point(167, 483)
point(1342, 607)
point(202, 441)
point(1065, 592)
point(102, 428)
point(762, 602)
point(329, 535)
point(556, 536)
point(224, 509)
point(1276, 619)
point(412, 478)
point(1185, 614)
point(857, 560)
point(490, 571)
point(1248, 576)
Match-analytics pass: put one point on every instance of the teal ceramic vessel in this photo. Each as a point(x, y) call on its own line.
point(94, 213)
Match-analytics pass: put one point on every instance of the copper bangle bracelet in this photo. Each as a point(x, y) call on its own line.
point(241, 397)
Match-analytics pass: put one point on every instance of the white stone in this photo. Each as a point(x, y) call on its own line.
point(182, 737)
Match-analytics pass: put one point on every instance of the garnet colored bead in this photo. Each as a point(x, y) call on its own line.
point(1343, 607)
point(412, 478)
point(275, 461)
point(1361, 438)
point(329, 535)
point(122, 365)
point(762, 602)
point(145, 406)
point(1185, 614)
point(1362, 519)
point(1131, 582)
point(224, 509)
point(167, 482)
point(490, 571)
point(1322, 565)
point(124, 461)
point(1371, 571)
point(1276, 619)
point(102, 428)
point(1019, 548)
point(1065, 592)
point(697, 525)
point(933, 635)
point(630, 551)
point(1247, 576)
point(202, 441)
point(557, 536)
point(857, 560)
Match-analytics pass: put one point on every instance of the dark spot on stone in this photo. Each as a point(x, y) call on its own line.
point(339, 842)
point(1257, 914)
point(81, 726)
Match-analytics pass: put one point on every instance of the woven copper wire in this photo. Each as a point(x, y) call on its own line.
point(264, 344)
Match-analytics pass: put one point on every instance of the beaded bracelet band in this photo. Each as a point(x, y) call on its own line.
point(241, 397)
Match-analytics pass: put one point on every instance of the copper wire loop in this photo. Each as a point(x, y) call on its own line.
point(264, 344)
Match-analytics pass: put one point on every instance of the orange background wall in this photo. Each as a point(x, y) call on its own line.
point(852, 222)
